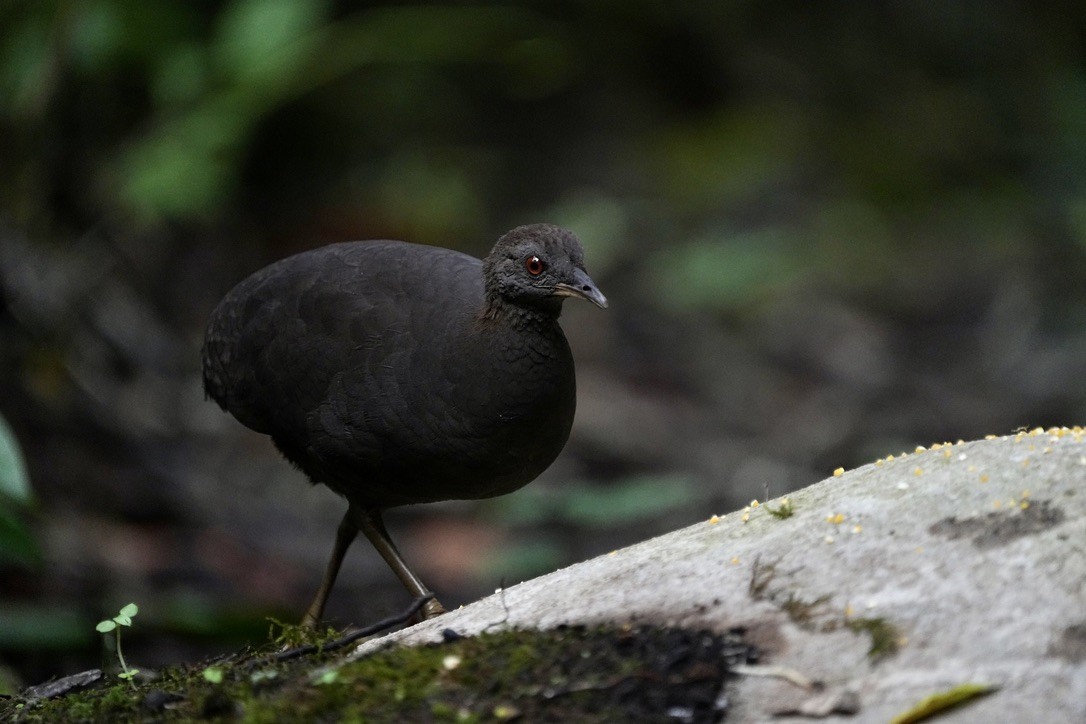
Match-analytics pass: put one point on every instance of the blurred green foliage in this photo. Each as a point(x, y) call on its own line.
point(14, 481)
point(746, 145)
point(627, 500)
point(728, 271)
point(17, 543)
point(38, 626)
point(201, 82)
point(522, 559)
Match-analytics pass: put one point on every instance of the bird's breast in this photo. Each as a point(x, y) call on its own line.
point(506, 413)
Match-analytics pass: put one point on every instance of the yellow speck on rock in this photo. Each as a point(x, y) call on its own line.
point(918, 472)
point(838, 472)
point(714, 520)
point(920, 449)
point(735, 560)
point(835, 518)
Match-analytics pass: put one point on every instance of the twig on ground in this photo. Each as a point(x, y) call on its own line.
point(350, 638)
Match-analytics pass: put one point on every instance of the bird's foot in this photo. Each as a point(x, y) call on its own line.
point(432, 609)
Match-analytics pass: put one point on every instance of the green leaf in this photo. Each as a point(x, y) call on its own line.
point(936, 703)
point(130, 610)
point(260, 41)
point(213, 674)
point(188, 165)
point(105, 626)
point(14, 481)
point(123, 620)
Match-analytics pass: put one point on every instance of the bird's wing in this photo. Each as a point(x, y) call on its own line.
point(307, 350)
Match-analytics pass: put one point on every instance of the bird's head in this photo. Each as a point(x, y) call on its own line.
point(537, 266)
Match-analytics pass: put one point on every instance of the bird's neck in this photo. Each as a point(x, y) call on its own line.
point(539, 317)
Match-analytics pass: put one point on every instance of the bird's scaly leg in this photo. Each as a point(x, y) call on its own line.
point(345, 535)
point(368, 520)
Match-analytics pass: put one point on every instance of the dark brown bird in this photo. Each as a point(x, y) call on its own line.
point(396, 373)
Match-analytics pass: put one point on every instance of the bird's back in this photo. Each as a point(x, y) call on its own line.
point(370, 366)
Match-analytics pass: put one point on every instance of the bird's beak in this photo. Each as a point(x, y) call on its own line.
point(583, 287)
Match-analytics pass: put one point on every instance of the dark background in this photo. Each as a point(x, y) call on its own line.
point(828, 231)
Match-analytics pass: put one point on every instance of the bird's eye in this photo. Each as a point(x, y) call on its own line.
point(534, 265)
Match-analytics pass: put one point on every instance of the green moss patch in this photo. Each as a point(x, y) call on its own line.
point(566, 674)
point(885, 637)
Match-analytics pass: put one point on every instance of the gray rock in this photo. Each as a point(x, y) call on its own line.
point(903, 579)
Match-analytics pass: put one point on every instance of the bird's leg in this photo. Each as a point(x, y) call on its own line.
point(368, 520)
point(345, 535)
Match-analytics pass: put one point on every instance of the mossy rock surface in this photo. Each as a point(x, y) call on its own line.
point(565, 674)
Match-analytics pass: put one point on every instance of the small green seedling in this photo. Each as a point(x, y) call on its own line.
point(784, 510)
point(213, 674)
point(123, 618)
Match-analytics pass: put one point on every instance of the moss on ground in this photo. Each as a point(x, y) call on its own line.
point(566, 674)
point(885, 637)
